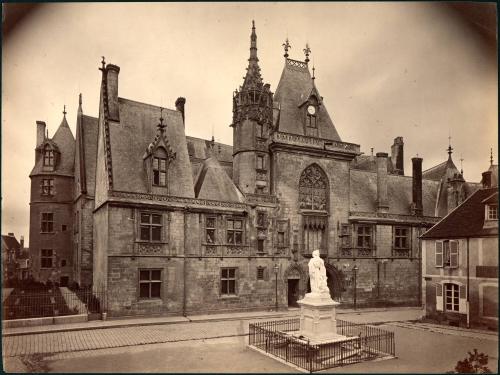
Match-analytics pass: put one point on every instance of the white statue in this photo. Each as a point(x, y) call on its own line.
point(317, 274)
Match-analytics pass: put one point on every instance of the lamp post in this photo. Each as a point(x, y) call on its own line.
point(276, 269)
point(354, 270)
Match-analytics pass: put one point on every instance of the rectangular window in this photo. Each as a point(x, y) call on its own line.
point(451, 295)
point(47, 222)
point(228, 281)
point(150, 283)
point(345, 235)
point(311, 121)
point(235, 231)
point(260, 273)
point(150, 227)
point(364, 236)
point(48, 186)
point(46, 258)
point(261, 162)
point(492, 212)
point(210, 223)
point(48, 158)
point(259, 128)
point(159, 171)
point(281, 239)
point(260, 246)
point(401, 238)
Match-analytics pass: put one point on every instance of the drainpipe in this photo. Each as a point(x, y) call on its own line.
point(184, 265)
point(467, 293)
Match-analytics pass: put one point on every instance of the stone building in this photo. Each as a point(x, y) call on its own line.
point(173, 224)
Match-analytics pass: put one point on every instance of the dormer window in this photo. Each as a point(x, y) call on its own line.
point(48, 158)
point(311, 120)
point(160, 168)
point(491, 212)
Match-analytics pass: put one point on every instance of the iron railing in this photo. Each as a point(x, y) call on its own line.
point(53, 301)
point(362, 342)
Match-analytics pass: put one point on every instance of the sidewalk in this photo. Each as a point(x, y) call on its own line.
point(368, 315)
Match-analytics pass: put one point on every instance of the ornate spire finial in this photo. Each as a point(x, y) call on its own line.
point(461, 165)
point(491, 156)
point(64, 111)
point(313, 77)
point(450, 149)
point(253, 24)
point(253, 44)
point(161, 125)
point(80, 99)
point(287, 46)
point(307, 51)
point(103, 62)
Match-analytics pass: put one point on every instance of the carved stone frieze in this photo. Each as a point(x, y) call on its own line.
point(324, 144)
point(235, 250)
point(144, 248)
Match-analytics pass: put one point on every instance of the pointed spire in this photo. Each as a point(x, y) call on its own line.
point(80, 111)
point(287, 46)
point(450, 149)
point(307, 51)
point(64, 111)
point(253, 78)
point(491, 156)
point(253, 44)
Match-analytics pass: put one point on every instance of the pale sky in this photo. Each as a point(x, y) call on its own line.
point(384, 69)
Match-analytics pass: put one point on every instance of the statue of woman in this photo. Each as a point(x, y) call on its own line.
point(317, 274)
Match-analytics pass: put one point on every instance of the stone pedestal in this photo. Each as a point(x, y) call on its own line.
point(317, 318)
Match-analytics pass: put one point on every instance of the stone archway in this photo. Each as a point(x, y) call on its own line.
point(295, 279)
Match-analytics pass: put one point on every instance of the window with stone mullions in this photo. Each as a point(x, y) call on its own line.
point(47, 222)
point(228, 281)
point(159, 171)
point(150, 227)
point(210, 229)
point(46, 258)
point(364, 236)
point(48, 157)
point(47, 186)
point(150, 283)
point(401, 238)
point(235, 231)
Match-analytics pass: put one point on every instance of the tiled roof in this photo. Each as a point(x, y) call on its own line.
point(129, 141)
point(214, 183)
point(363, 194)
point(467, 220)
point(10, 242)
point(294, 88)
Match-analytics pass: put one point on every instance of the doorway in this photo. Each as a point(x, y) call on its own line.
point(293, 292)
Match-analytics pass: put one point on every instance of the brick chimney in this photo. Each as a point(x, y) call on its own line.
point(112, 72)
point(40, 132)
point(179, 105)
point(397, 156)
point(455, 191)
point(21, 242)
point(486, 179)
point(417, 186)
point(382, 202)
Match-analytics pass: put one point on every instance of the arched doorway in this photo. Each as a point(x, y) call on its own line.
point(335, 282)
point(294, 278)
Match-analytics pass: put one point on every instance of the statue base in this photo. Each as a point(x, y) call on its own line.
point(318, 318)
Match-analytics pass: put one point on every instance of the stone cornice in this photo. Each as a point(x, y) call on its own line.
point(378, 216)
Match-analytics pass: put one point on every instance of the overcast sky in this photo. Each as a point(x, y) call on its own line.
point(384, 69)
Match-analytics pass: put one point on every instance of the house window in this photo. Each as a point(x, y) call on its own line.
point(260, 246)
point(228, 281)
point(260, 162)
point(260, 273)
point(150, 283)
point(492, 212)
point(47, 222)
point(401, 238)
point(235, 231)
point(48, 157)
point(451, 294)
point(446, 254)
point(48, 186)
point(159, 171)
point(210, 223)
point(46, 258)
point(150, 227)
point(364, 236)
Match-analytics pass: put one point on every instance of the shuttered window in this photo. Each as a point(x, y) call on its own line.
point(439, 254)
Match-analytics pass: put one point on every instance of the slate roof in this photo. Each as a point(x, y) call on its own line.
point(130, 138)
point(10, 242)
point(87, 129)
point(363, 193)
point(369, 163)
point(467, 220)
point(444, 170)
point(214, 183)
point(294, 88)
point(65, 142)
point(198, 152)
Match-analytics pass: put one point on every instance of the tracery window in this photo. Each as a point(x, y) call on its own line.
point(313, 189)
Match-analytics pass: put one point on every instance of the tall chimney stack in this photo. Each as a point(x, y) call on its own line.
point(382, 202)
point(112, 72)
point(179, 105)
point(21, 242)
point(40, 132)
point(486, 180)
point(397, 156)
point(417, 186)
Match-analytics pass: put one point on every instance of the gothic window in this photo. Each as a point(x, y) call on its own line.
point(210, 229)
point(48, 186)
point(150, 227)
point(235, 231)
point(313, 189)
point(48, 157)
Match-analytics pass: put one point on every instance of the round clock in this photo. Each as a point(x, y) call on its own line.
point(311, 109)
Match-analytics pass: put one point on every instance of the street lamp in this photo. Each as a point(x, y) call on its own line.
point(276, 269)
point(354, 270)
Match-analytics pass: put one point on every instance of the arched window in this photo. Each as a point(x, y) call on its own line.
point(313, 187)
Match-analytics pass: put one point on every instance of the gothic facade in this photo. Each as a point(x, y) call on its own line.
point(174, 224)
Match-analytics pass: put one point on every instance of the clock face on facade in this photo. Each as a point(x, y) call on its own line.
point(311, 110)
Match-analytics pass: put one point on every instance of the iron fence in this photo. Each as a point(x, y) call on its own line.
point(53, 301)
point(281, 339)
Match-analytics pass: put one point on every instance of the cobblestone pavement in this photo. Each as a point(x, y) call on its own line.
point(72, 341)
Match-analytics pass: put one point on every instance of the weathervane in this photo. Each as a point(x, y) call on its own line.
point(307, 51)
point(287, 46)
